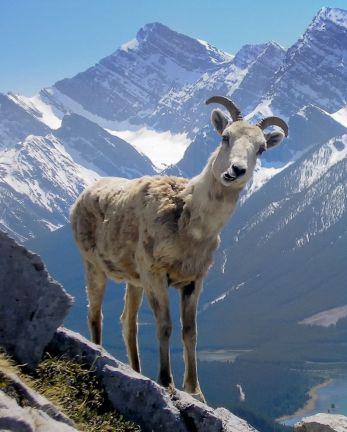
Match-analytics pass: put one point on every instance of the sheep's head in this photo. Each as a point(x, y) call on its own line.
point(242, 143)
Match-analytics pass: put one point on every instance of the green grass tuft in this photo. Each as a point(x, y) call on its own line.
point(74, 389)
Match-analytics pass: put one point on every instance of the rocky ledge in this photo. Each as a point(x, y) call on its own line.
point(139, 398)
point(322, 423)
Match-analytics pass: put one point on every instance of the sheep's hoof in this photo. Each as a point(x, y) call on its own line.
point(165, 380)
point(198, 396)
point(171, 389)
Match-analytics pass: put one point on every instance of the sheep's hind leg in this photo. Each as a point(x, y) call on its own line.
point(96, 283)
point(132, 302)
point(189, 299)
point(157, 292)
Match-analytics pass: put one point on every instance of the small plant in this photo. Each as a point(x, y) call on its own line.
point(77, 391)
point(73, 388)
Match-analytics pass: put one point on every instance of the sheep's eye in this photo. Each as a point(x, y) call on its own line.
point(261, 150)
point(225, 139)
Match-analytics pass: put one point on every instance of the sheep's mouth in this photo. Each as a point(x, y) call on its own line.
point(227, 179)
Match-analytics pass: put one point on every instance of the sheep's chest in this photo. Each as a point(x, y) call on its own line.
point(182, 260)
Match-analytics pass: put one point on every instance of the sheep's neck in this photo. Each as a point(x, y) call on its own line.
point(211, 204)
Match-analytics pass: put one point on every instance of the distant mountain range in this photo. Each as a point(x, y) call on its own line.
point(159, 82)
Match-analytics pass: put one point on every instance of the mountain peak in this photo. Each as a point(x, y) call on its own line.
point(159, 38)
point(274, 44)
point(334, 15)
point(155, 26)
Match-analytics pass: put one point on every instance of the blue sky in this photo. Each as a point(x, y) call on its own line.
point(42, 41)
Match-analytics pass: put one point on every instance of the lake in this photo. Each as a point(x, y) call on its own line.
point(334, 394)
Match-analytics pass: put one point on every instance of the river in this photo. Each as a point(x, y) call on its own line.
point(330, 397)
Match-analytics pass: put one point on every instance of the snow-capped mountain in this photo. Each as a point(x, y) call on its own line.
point(161, 79)
point(125, 87)
point(39, 182)
point(41, 176)
point(245, 79)
point(314, 70)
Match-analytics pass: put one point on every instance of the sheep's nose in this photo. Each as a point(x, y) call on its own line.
point(239, 171)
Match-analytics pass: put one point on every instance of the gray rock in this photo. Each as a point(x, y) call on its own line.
point(32, 304)
point(140, 399)
point(197, 415)
point(200, 417)
point(17, 419)
point(136, 397)
point(322, 423)
point(232, 423)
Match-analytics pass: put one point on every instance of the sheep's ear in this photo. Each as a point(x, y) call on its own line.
point(219, 120)
point(273, 139)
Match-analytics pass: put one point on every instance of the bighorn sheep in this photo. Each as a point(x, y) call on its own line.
point(161, 231)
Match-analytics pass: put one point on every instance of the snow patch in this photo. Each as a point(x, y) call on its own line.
point(162, 148)
point(326, 318)
point(43, 111)
point(226, 56)
point(327, 156)
point(338, 16)
point(341, 116)
point(218, 299)
point(222, 296)
point(261, 110)
point(130, 45)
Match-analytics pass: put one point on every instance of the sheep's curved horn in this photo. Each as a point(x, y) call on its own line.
point(273, 121)
point(228, 104)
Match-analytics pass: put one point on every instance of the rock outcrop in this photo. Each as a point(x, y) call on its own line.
point(139, 398)
point(32, 304)
point(322, 423)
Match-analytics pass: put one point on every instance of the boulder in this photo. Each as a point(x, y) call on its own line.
point(32, 304)
point(202, 418)
point(322, 423)
point(139, 398)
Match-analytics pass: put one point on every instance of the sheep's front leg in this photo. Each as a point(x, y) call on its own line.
point(157, 293)
point(132, 302)
point(189, 299)
point(96, 282)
